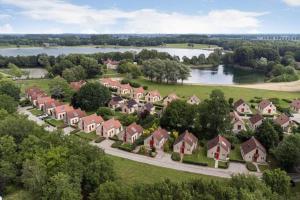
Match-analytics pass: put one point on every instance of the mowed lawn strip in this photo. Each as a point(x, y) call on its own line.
point(203, 91)
point(131, 172)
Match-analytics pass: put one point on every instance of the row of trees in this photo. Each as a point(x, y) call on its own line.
point(213, 59)
point(168, 71)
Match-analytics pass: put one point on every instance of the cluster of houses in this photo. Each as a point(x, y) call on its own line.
point(217, 148)
point(240, 120)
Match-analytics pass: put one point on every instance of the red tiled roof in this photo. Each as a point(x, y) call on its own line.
point(282, 119)
point(235, 117)
point(296, 103)
point(42, 99)
point(133, 129)
point(252, 144)
point(125, 86)
point(264, 103)
point(94, 118)
point(154, 93)
point(160, 133)
point(138, 90)
point(77, 85)
point(238, 103)
point(111, 123)
point(255, 118)
point(75, 113)
point(186, 137)
point(225, 144)
point(63, 108)
point(52, 103)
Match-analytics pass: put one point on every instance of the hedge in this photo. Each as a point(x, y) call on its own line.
point(238, 161)
point(116, 144)
point(175, 156)
point(127, 147)
point(114, 138)
point(251, 167)
point(194, 162)
point(223, 165)
point(99, 139)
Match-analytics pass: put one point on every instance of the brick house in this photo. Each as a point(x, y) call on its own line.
point(186, 143)
point(218, 148)
point(110, 83)
point(137, 93)
point(116, 102)
point(60, 112)
point(124, 89)
point(130, 106)
point(157, 139)
point(253, 151)
point(255, 121)
point(132, 133)
point(73, 116)
point(284, 122)
point(153, 96)
point(242, 107)
point(90, 123)
point(149, 107)
point(266, 107)
point(76, 85)
point(109, 128)
point(295, 106)
point(237, 122)
point(168, 99)
point(40, 102)
point(194, 100)
point(50, 105)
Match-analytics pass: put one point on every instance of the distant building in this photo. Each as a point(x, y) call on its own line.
point(60, 112)
point(73, 116)
point(284, 122)
point(124, 89)
point(237, 122)
point(109, 128)
point(153, 96)
point(132, 133)
point(137, 93)
point(255, 121)
point(130, 106)
point(111, 64)
point(295, 106)
point(116, 102)
point(168, 99)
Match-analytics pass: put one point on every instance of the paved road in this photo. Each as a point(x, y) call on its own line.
point(167, 162)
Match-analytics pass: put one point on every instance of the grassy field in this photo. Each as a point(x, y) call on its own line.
point(185, 46)
point(131, 172)
point(203, 91)
point(41, 83)
point(36, 112)
point(235, 154)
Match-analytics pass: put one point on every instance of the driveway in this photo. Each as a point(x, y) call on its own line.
point(166, 161)
point(25, 111)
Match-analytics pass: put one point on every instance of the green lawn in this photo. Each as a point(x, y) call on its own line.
point(87, 136)
point(41, 83)
point(200, 156)
point(131, 172)
point(203, 91)
point(36, 112)
point(235, 154)
point(54, 122)
point(262, 168)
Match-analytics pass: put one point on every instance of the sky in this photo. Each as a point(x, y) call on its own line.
point(150, 16)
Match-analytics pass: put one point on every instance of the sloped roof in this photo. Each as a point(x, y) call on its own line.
point(187, 137)
point(238, 103)
point(125, 86)
point(115, 100)
point(154, 93)
point(43, 99)
point(148, 106)
point(235, 117)
point(252, 144)
point(264, 103)
point(282, 119)
point(296, 103)
point(160, 133)
point(131, 102)
point(133, 129)
point(63, 108)
point(225, 144)
point(255, 118)
point(94, 118)
point(76, 85)
point(194, 98)
point(52, 103)
point(76, 113)
point(111, 123)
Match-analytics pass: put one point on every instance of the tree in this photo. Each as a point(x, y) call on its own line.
point(74, 74)
point(269, 134)
point(112, 191)
point(289, 144)
point(93, 95)
point(278, 181)
point(8, 103)
point(105, 112)
point(14, 70)
point(91, 66)
point(59, 88)
point(61, 186)
point(178, 116)
point(214, 115)
point(10, 88)
point(126, 120)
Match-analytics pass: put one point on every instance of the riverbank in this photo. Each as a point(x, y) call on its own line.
point(176, 46)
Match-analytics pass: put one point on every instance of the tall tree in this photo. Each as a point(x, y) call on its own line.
point(59, 88)
point(10, 88)
point(278, 181)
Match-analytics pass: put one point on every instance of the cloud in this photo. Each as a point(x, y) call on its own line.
point(6, 28)
point(91, 20)
point(292, 2)
point(4, 16)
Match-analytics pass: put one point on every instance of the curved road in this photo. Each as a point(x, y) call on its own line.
point(164, 160)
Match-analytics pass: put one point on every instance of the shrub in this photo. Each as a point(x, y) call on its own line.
point(238, 161)
point(134, 84)
point(99, 139)
point(125, 81)
point(175, 156)
point(116, 144)
point(25, 102)
point(74, 131)
point(105, 112)
point(274, 100)
point(115, 138)
point(145, 87)
point(251, 167)
point(143, 150)
point(287, 100)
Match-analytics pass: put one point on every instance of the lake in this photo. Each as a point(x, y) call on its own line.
point(222, 75)
point(55, 51)
point(218, 75)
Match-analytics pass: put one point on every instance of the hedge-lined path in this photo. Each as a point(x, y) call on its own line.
point(166, 161)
